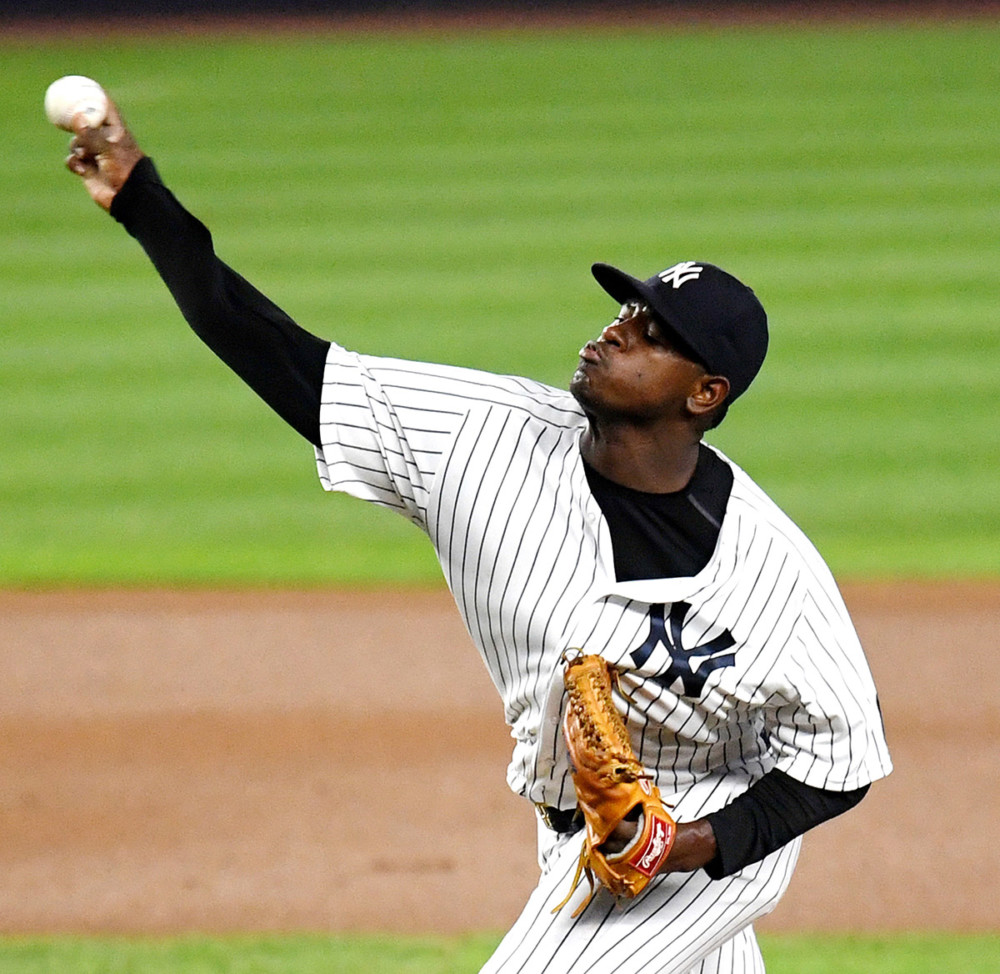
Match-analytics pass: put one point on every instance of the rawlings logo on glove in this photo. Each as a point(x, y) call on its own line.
point(611, 786)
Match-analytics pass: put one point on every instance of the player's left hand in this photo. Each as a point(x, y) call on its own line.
point(103, 156)
point(693, 847)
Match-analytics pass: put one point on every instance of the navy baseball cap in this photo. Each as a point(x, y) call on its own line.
point(717, 319)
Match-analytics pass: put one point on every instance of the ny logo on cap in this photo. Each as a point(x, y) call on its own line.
point(686, 270)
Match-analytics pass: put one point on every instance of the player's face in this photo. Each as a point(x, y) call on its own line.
point(634, 371)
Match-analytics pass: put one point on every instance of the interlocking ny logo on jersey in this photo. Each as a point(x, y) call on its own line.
point(711, 654)
point(686, 270)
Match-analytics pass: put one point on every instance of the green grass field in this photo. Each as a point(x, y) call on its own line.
point(909, 954)
point(442, 196)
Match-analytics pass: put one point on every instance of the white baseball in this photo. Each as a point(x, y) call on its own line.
point(71, 95)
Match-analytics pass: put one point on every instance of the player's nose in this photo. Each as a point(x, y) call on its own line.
point(615, 333)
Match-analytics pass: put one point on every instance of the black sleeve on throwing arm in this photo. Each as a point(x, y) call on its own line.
point(767, 816)
point(280, 361)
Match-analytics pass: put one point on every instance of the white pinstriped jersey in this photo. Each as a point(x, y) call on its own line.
point(751, 664)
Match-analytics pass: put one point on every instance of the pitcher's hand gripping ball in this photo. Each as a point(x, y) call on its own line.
point(72, 95)
point(611, 785)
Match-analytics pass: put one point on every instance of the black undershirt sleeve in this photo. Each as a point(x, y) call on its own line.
point(280, 361)
point(768, 815)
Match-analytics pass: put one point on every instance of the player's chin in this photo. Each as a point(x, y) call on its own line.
point(580, 386)
point(588, 387)
point(585, 374)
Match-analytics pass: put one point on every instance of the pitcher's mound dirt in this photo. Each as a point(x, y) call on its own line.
point(335, 761)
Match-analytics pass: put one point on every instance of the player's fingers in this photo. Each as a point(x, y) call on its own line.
point(113, 127)
point(102, 140)
point(86, 140)
point(113, 116)
point(80, 152)
point(80, 165)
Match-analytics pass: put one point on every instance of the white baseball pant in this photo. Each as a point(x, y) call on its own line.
point(683, 923)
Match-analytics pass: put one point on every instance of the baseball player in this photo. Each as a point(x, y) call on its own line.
point(593, 519)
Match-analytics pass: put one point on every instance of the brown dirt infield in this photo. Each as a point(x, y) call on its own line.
point(228, 762)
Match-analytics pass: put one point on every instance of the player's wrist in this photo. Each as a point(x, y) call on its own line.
point(694, 847)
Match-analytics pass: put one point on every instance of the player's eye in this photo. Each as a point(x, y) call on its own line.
point(655, 334)
point(629, 310)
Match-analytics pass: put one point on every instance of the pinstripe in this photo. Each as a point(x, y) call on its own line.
point(435, 525)
point(519, 592)
point(489, 466)
point(482, 569)
point(508, 594)
point(494, 644)
point(552, 627)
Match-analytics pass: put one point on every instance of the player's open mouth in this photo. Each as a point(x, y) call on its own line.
point(590, 353)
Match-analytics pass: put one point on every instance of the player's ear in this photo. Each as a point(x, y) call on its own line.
point(709, 393)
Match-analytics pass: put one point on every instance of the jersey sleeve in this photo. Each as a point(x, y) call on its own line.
point(823, 722)
point(386, 424)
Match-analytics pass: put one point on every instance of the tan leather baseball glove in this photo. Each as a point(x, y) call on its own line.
point(611, 786)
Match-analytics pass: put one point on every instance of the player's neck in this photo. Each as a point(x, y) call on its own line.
point(641, 459)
